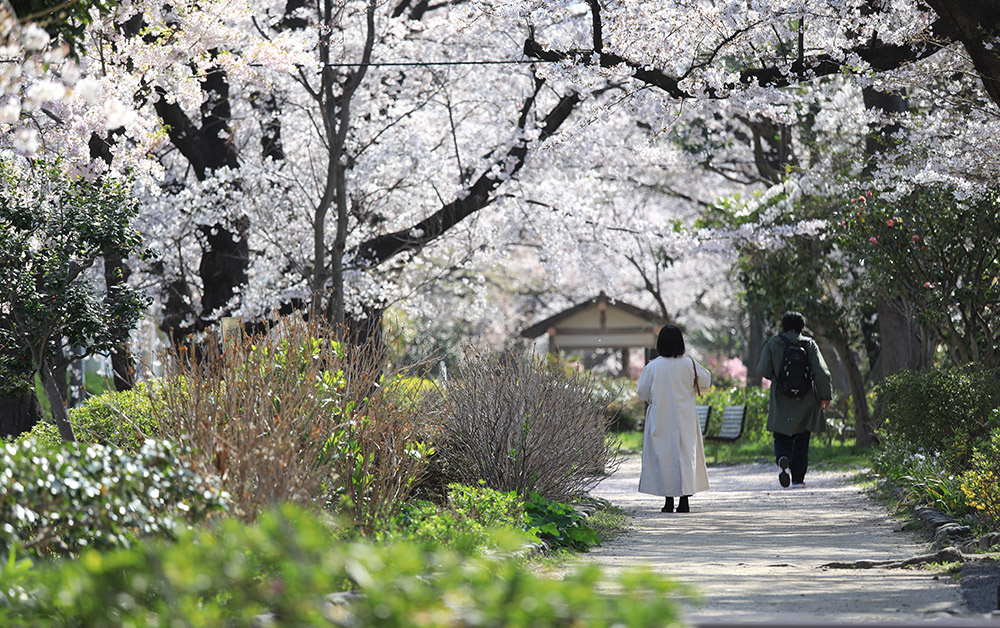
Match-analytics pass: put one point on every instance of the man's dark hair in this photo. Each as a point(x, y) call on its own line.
point(670, 342)
point(792, 321)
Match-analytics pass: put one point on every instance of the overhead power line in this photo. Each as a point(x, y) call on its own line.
point(376, 64)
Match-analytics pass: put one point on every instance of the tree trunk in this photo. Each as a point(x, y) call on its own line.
point(977, 25)
point(755, 346)
point(901, 346)
point(59, 415)
point(18, 414)
point(863, 429)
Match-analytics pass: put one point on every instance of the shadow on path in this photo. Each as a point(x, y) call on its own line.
point(753, 550)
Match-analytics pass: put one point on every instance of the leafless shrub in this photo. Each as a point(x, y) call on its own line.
point(296, 416)
point(521, 423)
point(380, 450)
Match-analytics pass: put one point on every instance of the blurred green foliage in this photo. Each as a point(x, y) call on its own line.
point(285, 570)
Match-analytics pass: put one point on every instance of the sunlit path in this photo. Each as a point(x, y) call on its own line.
point(753, 550)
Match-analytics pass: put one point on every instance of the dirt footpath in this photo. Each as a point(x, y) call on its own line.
point(754, 551)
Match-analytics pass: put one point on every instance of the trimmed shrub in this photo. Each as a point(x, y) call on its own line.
point(284, 569)
point(65, 499)
point(117, 419)
point(940, 411)
point(523, 424)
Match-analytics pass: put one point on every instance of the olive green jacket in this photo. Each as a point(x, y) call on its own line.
point(788, 415)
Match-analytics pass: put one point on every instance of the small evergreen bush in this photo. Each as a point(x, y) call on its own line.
point(65, 499)
point(558, 524)
point(118, 419)
point(940, 411)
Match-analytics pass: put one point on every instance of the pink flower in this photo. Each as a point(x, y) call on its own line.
point(873, 240)
point(889, 223)
point(915, 238)
point(927, 284)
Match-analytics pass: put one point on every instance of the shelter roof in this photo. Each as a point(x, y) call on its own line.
point(599, 322)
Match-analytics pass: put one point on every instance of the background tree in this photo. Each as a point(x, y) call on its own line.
point(53, 229)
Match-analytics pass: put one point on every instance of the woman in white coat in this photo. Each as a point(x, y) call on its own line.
point(673, 455)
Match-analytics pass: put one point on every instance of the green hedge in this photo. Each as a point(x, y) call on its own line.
point(117, 419)
point(67, 498)
point(284, 571)
point(940, 411)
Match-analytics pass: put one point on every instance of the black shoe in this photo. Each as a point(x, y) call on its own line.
point(783, 478)
point(683, 506)
point(668, 505)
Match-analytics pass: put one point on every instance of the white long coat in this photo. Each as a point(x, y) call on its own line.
point(673, 455)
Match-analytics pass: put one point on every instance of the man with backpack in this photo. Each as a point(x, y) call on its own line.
point(800, 392)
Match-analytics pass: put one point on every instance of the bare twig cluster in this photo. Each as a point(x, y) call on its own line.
point(520, 423)
point(295, 415)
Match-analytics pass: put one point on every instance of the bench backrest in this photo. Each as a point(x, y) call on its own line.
point(703, 413)
point(733, 420)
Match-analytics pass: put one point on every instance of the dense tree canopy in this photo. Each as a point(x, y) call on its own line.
point(351, 156)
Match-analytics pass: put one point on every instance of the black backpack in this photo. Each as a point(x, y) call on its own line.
point(795, 376)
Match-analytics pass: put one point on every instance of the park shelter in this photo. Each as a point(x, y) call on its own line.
point(599, 323)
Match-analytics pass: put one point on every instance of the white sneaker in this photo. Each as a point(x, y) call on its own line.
point(799, 485)
point(783, 478)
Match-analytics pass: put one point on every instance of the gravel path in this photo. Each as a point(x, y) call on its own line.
point(753, 550)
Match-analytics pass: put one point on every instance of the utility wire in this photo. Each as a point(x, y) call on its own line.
point(376, 64)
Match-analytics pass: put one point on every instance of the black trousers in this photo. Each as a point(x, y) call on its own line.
point(796, 449)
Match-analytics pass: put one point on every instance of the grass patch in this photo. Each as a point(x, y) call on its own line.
point(629, 442)
point(833, 455)
point(609, 522)
point(825, 455)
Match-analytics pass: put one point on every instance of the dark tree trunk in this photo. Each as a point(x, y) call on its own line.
point(976, 24)
point(224, 263)
point(18, 414)
point(57, 401)
point(755, 345)
point(863, 432)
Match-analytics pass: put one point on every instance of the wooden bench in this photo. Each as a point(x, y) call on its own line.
point(704, 413)
point(734, 419)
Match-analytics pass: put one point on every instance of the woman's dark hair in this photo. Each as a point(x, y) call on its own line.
point(792, 321)
point(670, 342)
